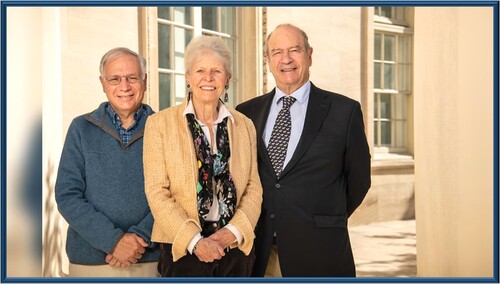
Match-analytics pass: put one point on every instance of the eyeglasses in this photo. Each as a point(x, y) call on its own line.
point(115, 80)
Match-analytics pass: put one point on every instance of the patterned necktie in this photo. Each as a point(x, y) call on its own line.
point(278, 144)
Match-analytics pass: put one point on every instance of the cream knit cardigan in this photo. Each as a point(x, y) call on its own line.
point(171, 177)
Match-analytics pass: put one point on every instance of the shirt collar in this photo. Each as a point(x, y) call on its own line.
point(301, 94)
point(115, 118)
point(223, 112)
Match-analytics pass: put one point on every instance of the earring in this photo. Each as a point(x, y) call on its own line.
point(226, 96)
point(189, 92)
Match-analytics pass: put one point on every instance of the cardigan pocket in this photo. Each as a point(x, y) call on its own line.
point(330, 221)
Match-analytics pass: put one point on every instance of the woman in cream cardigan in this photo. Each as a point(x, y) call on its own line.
point(201, 177)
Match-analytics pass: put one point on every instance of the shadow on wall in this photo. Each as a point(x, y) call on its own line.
point(53, 248)
point(409, 214)
point(386, 203)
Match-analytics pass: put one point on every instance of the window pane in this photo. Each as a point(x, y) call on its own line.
point(403, 78)
point(377, 81)
point(209, 18)
point(403, 49)
point(183, 15)
point(391, 12)
point(399, 107)
point(180, 88)
point(375, 134)
point(388, 76)
point(400, 13)
point(182, 38)
point(165, 82)
point(389, 43)
point(231, 45)
point(385, 106)
point(164, 13)
point(228, 20)
point(378, 47)
point(400, 133)
point(163, 46)
point(386, 12)
point(232, 92)
point(385, 133)
point(376, 106)
point(233, 96)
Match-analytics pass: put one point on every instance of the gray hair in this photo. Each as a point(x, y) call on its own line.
point(304, 36)
point(115, 52)
point(199, 46)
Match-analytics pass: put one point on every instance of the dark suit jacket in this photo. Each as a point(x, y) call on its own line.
point(325, 181)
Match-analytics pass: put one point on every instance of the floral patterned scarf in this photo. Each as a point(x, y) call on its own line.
point(213, 172)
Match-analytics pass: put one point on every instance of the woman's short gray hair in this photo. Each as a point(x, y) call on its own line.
point(113, 53)
point(200, 45)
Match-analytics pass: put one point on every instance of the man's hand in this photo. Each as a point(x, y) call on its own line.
point(128, 251)
point(208, 250)
point(113, 261)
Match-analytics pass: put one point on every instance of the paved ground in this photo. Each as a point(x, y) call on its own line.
point(386, 249)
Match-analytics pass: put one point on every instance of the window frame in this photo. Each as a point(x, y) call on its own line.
point(392, 20)
point(244, 82)
point(197, 29)
point(398, 28)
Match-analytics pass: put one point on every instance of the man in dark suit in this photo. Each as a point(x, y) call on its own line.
point(308, 197)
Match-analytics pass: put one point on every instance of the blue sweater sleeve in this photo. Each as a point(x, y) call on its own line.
point(143, 229)
point(81, 215)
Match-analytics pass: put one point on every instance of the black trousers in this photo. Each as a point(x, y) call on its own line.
point(234, 264)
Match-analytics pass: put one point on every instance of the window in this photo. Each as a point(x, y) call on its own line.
point(176, 27)
point(391, 15)
point(392, 80)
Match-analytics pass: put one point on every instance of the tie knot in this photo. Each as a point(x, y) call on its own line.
point(288, 101)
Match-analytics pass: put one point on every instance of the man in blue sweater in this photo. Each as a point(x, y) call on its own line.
point(100, 182)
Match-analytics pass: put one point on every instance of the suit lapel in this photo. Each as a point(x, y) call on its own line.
point(317, 110)
point(261, 112)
